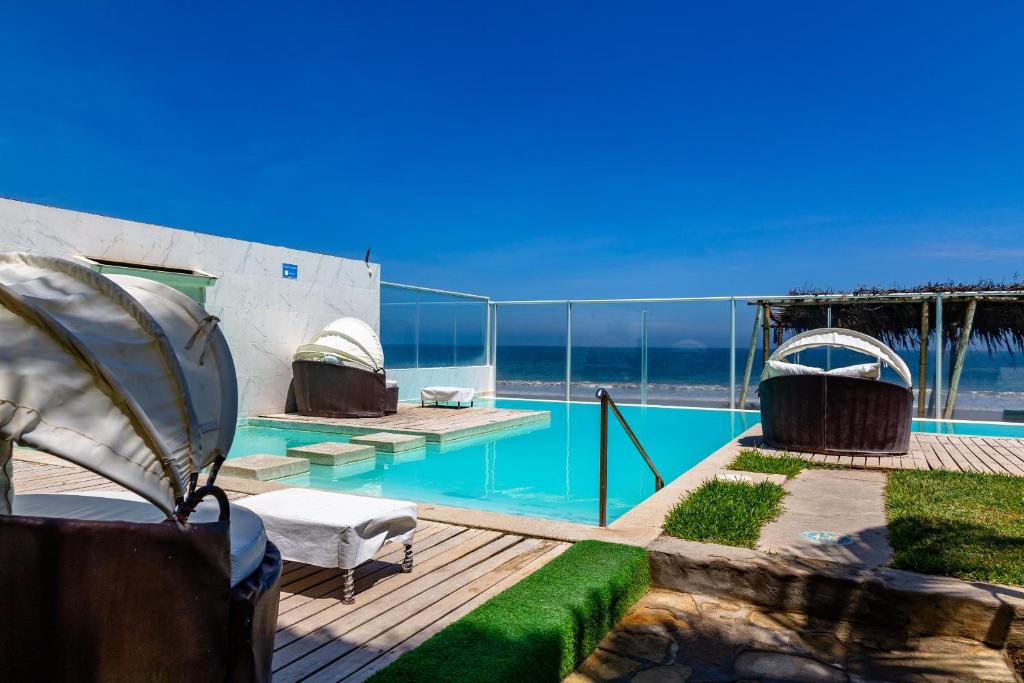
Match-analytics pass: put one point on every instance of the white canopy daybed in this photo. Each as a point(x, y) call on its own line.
point(340, 373)
point(132, 380)
point(841, 411)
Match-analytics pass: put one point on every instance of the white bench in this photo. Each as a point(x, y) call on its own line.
point(334, 529)
point(456, 395)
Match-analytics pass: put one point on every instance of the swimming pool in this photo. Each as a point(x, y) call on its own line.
point(547, 470)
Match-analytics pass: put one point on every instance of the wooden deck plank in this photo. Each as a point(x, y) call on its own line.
point(303, 657)
point(444, 595)
point(325, 614)
point(426, 548)
point(427, 618)
point(453, 616)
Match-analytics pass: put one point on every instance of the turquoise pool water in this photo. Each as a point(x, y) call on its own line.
point(548, 470)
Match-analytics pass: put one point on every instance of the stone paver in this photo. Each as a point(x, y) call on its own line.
point(671, 636)
point(390, 442)
point(264, 467)
point(333, 453)
point(849, 503)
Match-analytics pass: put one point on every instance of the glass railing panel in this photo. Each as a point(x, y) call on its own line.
point(398, 320)
point(530, 353)
point(607, 351)
point(688, 346)
point(471, 333)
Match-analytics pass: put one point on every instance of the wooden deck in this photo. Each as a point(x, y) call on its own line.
point(437, 424)
point(997, 455)
point(321, 639)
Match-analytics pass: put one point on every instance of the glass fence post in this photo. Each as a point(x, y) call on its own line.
point(732, 353)
point(568, 350)
point(416, 337)
point(643, 356)
point(937, 389)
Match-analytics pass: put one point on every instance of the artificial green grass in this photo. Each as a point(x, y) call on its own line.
point(753, 460)
point(541, 628)
point(726, 512)
point(960, 524)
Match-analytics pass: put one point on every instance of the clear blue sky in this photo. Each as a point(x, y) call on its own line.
point(541, 149)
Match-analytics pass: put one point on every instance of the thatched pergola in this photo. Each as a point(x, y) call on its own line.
point(992, 312)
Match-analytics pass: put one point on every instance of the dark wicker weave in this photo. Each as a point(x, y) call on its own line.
point(836, 415)
point(125, 601)
point(329, 390)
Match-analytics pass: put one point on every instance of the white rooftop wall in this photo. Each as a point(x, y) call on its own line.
point(264, 317)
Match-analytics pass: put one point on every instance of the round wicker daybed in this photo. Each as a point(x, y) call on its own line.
point(341, 373)
point(842, 411)
point(166, 581)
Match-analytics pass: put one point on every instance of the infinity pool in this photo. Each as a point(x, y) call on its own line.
point(547, 470)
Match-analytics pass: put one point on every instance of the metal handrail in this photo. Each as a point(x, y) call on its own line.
point(606, 402)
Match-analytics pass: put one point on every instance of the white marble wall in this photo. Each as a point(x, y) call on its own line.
point(264, 316)
point(411, 380)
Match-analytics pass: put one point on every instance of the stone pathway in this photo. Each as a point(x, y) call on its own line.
point(848, 503)
point(672, 636)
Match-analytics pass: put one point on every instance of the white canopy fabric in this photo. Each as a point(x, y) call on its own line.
point(346, 340)
point(842, 338)
point(89, 374)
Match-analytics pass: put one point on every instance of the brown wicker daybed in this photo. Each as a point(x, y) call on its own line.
point(842, 411)
point(166, 581)
point(341, 373)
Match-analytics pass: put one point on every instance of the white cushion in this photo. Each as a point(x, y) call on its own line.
point(865, 370)
point(780, 368)
point(248, 538)
point(330, 529)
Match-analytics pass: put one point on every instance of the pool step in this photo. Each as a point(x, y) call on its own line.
point(333, 453)
point(262, 467)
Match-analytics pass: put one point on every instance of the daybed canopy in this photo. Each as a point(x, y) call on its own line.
point(841, 338)
point(123, 376)
point(345, 341)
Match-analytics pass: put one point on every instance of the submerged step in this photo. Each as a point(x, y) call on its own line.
point(390, 442)
point(333, 453)
point(262, 467)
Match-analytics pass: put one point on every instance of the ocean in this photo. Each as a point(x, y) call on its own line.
point(991, 385)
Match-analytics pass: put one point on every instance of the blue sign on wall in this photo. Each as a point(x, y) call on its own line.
point(289, 271)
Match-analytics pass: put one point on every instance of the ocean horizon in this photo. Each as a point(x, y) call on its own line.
point(991, 385)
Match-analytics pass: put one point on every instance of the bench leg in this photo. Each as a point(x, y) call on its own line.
point(407, 561)
point(348, 588)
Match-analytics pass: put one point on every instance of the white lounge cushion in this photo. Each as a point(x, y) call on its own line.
point(330, 529)
point(447, 394)
point(863, 370)
point(780, 368)
point(248, 538)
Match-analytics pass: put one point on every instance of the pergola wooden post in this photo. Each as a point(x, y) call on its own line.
point(766, 328)
point(922, 379)
point(961, 353)
point(750, 358)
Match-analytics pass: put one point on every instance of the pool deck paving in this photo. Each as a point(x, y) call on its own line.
point(436, 424)
point(670, 636)
point(846, 504)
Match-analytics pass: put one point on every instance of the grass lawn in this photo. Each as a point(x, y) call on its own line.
point(539, 629)
point(959, 524)
point(753, 460)
point(726, 512)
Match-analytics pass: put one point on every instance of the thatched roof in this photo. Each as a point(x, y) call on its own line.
point(894, 314)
